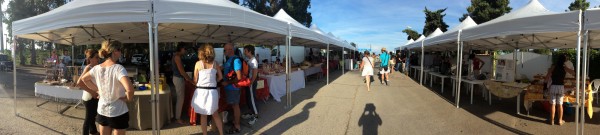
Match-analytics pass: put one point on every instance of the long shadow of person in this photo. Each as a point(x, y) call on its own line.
point(370, 120)
point(292, 121)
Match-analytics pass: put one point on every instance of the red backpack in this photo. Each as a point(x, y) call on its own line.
point(245, 81)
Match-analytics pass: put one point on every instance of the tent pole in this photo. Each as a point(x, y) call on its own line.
point(327, 63)
point(422, 62)
point(156, 77)
point(458, 68)
point(584, 77)
point(288, 64)
point(343, 61)
point(578, 68)
point(14, 58)
point(460, 72)
point(72, 51)
point(152, 90)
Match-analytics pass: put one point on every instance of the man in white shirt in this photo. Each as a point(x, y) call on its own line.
point(251, 91)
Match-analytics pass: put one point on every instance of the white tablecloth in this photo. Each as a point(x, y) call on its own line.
point(349, 64)
point(277, 83)
point(62, 93)
point(312, 70)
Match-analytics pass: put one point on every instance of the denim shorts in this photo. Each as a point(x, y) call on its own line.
point(233, 96)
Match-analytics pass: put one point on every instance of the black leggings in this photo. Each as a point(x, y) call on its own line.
point(250, 98)
point(91, 107)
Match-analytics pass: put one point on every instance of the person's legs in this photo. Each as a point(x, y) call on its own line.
point(553, 100)
point(236, 116)
point(105, 130)
point(179, 91)
point(368, 78)
point(233, 99)
point(203, 124)
point(217, 120)
point(119, 132)
point(89, 127)
point(560, 110)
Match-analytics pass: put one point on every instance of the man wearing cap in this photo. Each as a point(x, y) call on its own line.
point(385, 70)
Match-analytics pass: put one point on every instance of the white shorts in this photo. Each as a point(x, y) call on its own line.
point(384, 70)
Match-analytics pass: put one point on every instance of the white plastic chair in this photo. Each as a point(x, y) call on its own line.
point(595, 86)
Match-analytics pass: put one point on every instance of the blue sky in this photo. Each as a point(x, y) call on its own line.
point(380, 22)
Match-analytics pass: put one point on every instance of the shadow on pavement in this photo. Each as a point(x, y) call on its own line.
point(32, 121)
point(285, 124)
point(370, 120)
point(481, 108)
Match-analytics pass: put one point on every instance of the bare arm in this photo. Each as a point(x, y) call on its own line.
point(86, 81)
point(180, 69)
point(196, 71)
point(570, 71)
point(219, 73)
point(128, 88)
point(254, 74)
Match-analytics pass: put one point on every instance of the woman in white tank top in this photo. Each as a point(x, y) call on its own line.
point(207, 74)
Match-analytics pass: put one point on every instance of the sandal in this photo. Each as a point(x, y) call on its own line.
point(233, 130)
point(561, 122)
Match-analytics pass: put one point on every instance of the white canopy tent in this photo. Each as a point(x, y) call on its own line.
point(529, 27)
point(149, 21)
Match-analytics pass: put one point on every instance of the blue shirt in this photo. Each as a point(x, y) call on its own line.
point(385, 58)
point(237, 66)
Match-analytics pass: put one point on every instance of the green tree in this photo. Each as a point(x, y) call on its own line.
point(412, 34)
point(579, 4)
point(21, 9)
point(235, 1)
point(434, 20)
point(485, 10)
point(353, 44)
point(297, 9)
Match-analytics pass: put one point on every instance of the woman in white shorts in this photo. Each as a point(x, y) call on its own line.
point(367, 69)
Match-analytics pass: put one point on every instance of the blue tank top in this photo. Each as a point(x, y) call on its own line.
point(174, 69)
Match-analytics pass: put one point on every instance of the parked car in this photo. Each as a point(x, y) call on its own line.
point(5, 63)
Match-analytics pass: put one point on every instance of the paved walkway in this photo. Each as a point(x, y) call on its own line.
point(343, 107)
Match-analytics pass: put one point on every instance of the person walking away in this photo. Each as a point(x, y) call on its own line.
point(179, 79)
point(367, 69)
point(90, 100)
point(233, 64)
point(249, 52)
point(392, 63)
point(477, 64)
point(556, 74)
point(206, 96)
point(385, 71)
point(114, 89)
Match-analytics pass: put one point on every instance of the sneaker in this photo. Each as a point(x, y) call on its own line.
point(225, 116)
point(253, 120)
point(248, 116)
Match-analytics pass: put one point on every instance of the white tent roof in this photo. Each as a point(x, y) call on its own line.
point(444, 41)
point(437, 32)
point(529, 27)
point(420, 38)
point(216, 21)
point(409, 42)
point(332, 40)
point(299, 30)
point(593, 24)
point(417, 43)
point(125, 20)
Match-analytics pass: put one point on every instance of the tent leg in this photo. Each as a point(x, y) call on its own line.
point(14, 58)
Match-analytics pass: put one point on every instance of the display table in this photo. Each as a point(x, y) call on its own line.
point(140, 109)
point(313, 70)
point(277, 83)
point(349, 64)
point(472, 83)
point(438, 75)
point(535, 93)
point(415, 69)
point(505, 90)
point(57, 93)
